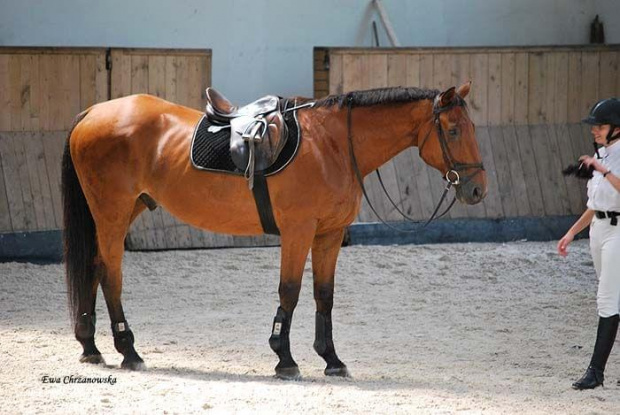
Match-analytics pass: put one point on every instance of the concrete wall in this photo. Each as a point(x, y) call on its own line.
point(265, 46)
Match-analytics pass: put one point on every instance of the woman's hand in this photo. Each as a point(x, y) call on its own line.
point(591, 161)
point(564, 242)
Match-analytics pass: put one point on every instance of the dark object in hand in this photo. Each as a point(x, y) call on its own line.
point(580, 171)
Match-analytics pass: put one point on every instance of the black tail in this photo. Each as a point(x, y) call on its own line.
point(79, 237)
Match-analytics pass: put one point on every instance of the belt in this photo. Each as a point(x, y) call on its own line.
point(612, 215)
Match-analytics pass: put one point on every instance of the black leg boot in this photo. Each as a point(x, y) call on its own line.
point(279, 343)
point(605, 337)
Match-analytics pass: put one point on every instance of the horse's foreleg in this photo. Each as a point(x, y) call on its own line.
point(111, 236)
point(296, 244)
point(325, 249)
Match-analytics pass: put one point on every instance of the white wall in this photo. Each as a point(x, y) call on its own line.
point(265, 46)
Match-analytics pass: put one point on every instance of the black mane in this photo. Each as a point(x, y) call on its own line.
point(378, 96)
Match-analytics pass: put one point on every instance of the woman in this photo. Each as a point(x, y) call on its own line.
point(603, 207)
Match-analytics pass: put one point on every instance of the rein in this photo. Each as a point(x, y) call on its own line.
point(453, 168)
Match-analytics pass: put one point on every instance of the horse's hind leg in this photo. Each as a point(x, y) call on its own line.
point(111, 232)
point(85, 329)
point(325, 249)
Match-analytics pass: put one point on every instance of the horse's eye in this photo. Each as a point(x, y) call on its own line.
point(453, 132)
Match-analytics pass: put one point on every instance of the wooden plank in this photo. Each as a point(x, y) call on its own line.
point(194, 84)
point(46, 79)
point(409, 200)
point(536, 90)
point(508, 88)
point(413, 71)
point(336, 86)
point(567, 157)
point(121, 74)
point(102, 79)
point(5, 95)
point(574, 87)
point(170, 235)
point(40, 181)
point(35, 93)
point(494, 89)
point(51, 141)
point(71, 88)
point(185, 239)
point(171, 79)
point(554, 167)
point(25, 87)
point(501, 157)
point(589, 81)
point(518, 184)
point(58, 99)
point(182, 81)
point(561, 88)
point(426, 71)
point(30, 215)
point(442, 71)
point(12, 184)
point(522, 68)
point(5, 213)
point(461, 69)
point(530, 172)
point(157, 76)
point(578, 142)
point(608, 74)
point(478, 101)
point(396, 70)
point(15, 93)
point(492, 202)
point(549, 70)
point(543, 157)
point(88, 81)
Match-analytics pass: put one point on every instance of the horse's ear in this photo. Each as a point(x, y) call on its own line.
point(463, 90)
point(447, 97)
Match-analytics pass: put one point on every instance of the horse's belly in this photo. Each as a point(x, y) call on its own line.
point(214, 204)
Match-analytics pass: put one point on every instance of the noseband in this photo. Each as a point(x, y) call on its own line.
point(454, 176)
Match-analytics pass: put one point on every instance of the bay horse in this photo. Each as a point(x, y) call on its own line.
point(119, 150)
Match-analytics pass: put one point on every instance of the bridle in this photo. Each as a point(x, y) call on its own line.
point(453, 177)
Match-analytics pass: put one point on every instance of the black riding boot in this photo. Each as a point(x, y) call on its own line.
point(605, 337)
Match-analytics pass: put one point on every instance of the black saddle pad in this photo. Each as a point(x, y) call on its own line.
point(211, 150)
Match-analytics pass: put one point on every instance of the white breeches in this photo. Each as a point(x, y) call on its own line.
point(605, 248)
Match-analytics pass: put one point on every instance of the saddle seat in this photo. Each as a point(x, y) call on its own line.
point(220, 109)
point(258, 132)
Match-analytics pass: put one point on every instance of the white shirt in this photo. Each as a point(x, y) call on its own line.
point(601, 194)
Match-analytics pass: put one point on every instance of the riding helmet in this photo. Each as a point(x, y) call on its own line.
point(606, 111)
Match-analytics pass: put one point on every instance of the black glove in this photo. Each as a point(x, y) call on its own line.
point(580, 171)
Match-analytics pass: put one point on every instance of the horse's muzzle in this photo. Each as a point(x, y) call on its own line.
point(470, 193)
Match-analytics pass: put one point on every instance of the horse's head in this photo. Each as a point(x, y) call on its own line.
point(449, 145)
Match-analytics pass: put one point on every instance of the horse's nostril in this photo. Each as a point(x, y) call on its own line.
point(477, 193)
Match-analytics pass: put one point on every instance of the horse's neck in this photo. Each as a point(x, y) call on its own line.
point(383, 131)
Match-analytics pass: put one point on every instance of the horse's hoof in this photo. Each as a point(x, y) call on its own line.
point(134, 365)
point(337, 371)
point(288, 373)
point(95, 359)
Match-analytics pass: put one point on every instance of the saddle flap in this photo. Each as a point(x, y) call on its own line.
point(267, 135)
